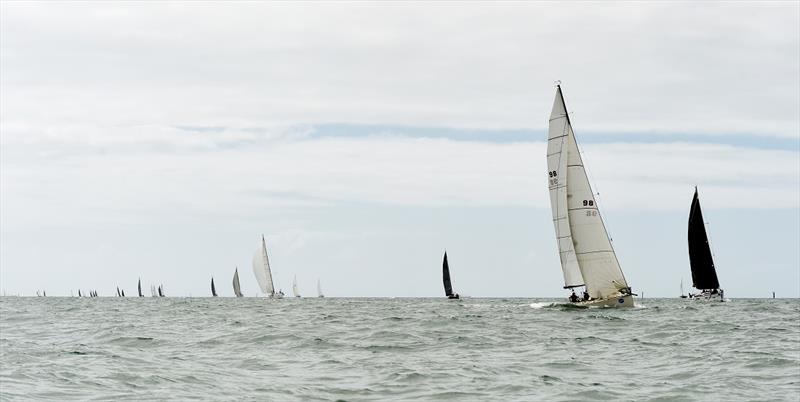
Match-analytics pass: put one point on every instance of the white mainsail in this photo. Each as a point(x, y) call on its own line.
point(295, 290)
point(261, 268)
point(237, 289)
point(587, 257)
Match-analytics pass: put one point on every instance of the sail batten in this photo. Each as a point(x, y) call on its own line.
point(587, 256)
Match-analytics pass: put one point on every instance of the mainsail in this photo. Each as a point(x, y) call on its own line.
point(704, 275)
point(295, 290)
point(237, 290)
point(448, 287)
point(587, 257)
point(139, 286)
point(261, 268)
point(213, 289)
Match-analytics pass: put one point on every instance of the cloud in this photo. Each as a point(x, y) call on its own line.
point(716, 68)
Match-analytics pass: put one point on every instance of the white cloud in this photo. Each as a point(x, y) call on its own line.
point(678, 67)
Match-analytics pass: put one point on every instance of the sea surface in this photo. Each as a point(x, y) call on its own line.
point(397, 349)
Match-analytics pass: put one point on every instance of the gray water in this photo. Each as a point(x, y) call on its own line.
point(396, 349)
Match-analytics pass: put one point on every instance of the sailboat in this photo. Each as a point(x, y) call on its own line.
point(213, 289)
point(448, 287)
point(123, 292)
point(319, 290)
point(118, 293)
point(704, 275)
point(237, 290)
point(295, 290)
point(153, 291)
point(683, 296)
point(585, 250)
point(262, 271)
point(139, 287)
point(160, 290)
point(79, 293)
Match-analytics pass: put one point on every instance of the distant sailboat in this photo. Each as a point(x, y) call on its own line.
point(587, 256)
point(237, 290)
point(262, 271)
point(160, 290)
point(295, 290)
point(153, 291)
point(79, 293)
point(704, 274)
point(118, 292)
point(448, 287)
point(213, 289)
point(123, 292)
point(139, 287)
point(319, 290)
point(683, 296)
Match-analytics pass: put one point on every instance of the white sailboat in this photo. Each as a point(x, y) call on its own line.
point(295, 290)
point(262, 271)
point(319, 290)
point(587, 256)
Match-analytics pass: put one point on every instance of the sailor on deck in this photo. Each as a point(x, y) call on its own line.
point(573, 297)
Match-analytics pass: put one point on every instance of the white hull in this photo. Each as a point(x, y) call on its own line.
point(617, 300)
point(276, 296)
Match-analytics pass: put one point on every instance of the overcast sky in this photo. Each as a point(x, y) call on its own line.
point(160, 140)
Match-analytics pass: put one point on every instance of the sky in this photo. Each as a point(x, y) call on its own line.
point(160, 140)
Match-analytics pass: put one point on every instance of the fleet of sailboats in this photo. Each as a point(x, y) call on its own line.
point(701, 260)
point(586, 253)
point(587, 256)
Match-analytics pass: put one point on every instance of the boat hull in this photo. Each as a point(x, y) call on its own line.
point(708, 296)
point(618, 300)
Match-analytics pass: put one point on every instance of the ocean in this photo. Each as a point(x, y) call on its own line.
point(384, 349)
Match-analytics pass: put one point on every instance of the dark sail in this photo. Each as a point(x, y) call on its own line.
point(118, 293)
point(704, 276)
point(123, 292)
point(448, 288)
point(213, 289)
point(160, 293)
point(139, 286)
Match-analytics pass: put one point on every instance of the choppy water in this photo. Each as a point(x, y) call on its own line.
point(396, 349)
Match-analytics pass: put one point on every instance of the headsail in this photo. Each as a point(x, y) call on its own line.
point(261, 268)
point(582, 238)
point(448, 287)
point(213, 289)
point(704, 275)
point(237, 290)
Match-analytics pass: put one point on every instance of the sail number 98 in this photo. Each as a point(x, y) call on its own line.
point(553, 179)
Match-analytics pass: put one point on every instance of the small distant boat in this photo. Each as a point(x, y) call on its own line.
point(587, 256)
point(118, 292)
point(448, 287)
point(237, 290)
point(683, 296)
point(123, 292)
point(139, 287)
point(262, 271)
point(37, 294)
point(44, 293)
point(701, 260)
point(160, 290)
point(213, 289)
point(295, 290)
point(153, 292)
point(319, 290)
point(79, 293)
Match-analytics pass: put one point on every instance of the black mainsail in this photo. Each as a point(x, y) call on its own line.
point(448, 287)
point(704, 275)
point(213, 289)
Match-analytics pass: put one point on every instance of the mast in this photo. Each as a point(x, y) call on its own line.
point(704, 274)
point(582, 237)
point(448, 287)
